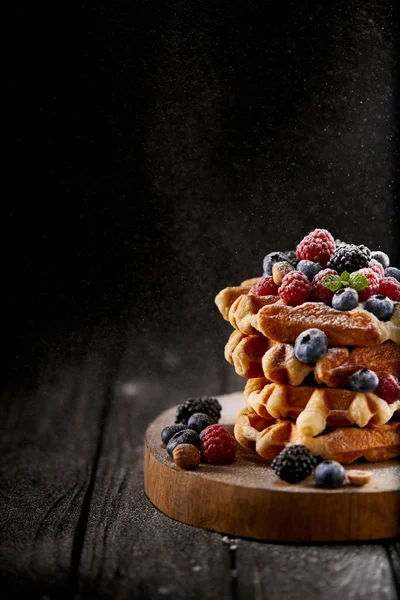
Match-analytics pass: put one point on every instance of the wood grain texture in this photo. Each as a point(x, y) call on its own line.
point(48, 447)
point(247, 499)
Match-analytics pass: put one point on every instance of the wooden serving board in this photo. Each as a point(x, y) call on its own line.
point(247, 499)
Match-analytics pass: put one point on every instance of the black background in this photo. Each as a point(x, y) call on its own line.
point(158, 150)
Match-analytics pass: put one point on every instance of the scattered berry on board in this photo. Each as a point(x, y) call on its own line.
point(329, 474)
point(218, 446)
point(199, 421)
point(205, 404)
point(171, 430)
point(187, 436)
point(294, 463)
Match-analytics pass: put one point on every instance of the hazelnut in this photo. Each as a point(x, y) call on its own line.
point(279, 270)
point(186, 456)
point(358, 477)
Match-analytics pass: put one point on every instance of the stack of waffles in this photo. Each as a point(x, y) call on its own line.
point(320, 403)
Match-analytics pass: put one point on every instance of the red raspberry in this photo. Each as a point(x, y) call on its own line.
point(390, 287)
point(373, 284)
point(388, 388)
point(317, 246)
point(217, 445)
point(377, 267)
point(265, 287)
point(320, 293)
point(295, 288)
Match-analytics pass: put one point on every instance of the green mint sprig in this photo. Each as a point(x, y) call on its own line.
point(356, 280)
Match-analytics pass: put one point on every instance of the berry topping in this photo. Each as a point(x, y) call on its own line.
point(294, 463)
point(364, 380)
point(218, 446)
point(208, 406)
point(388, 388)
point(311, 345)
point(380, 306)
point(345, 299)
point(317, 246)
point(265, 287)
point(329, 474)
point(373, 284)
point(377, 268)
point(393, 272)
point(349, 257)
point(291, 257)
point(271, 259)
point(309, 268)
point(199, 421)
point(319, 292)
point(295, 288)
point(187, 436)
point(339, 243)
point(390, 287)
point(381, 257)
point(279, 270)
point(171, 430)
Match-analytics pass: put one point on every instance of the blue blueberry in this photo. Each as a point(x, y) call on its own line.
point(329, 473)
point(271, 259)
point(309, 268)
point(364, 380)
point(381, 257)
point(311, 345)
point(187, 436)
point(199, 421)
point(393, 272)
point(170, 430)
point(345, 299)
point(380, 306)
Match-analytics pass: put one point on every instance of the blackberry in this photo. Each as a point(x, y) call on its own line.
point(350, 258)
point(294, 463)
point(205, 405)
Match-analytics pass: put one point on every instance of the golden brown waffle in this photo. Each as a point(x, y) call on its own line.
point(316, 408)
point(343, 444)
point(277, 321)
point(256, 356)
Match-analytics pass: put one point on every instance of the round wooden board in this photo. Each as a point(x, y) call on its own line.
point(247, 499)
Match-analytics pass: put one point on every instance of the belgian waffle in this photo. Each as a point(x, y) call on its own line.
point(257, 356)
point(269, 436)
point(316, 408)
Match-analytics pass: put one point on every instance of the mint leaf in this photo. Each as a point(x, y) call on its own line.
point(332, 282)
point(358, 281)
point(345, 276)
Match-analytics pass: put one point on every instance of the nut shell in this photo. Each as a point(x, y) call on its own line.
point(279, 270)
point(186, 456)
point(358, 477)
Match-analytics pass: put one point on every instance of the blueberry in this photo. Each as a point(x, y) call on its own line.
point(380, 306)
point(364, 380)
point(186, 436)
point(393, 272)
point(199, 421)
point(381, 257)
point(345, 299)
point(329, 473)
point(290, 256)
point(311, 345)
point(271, 259)
point(170, 430)
point(309, 268)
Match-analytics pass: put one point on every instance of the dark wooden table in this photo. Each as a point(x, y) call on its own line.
point(75, 522)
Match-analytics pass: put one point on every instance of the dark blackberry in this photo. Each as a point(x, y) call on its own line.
point(350, 258)
point(294, 463)
point(205, 405)
point(290, 257)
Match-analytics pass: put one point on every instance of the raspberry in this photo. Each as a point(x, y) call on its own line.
point(320, 293)
point(377, 268)
point(373, 284)
point(388, 388)
point(390, 287)
point(317, 246)
point(217, 445)
point(295, 288)
point(265, 287)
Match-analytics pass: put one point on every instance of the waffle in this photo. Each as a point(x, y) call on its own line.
point(256, 356)
point(344, 444)
point(316, 408)
point(277, 321)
